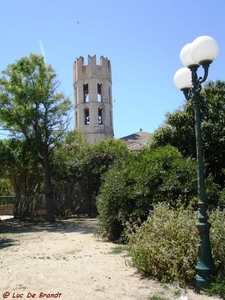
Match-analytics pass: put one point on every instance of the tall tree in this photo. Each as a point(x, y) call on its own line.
point(179, 130)
point(31, 107)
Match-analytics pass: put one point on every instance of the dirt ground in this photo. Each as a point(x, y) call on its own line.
point(67, 261)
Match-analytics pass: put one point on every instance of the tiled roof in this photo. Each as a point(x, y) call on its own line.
point(136, 141)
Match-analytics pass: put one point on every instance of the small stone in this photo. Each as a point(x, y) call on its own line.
point(183, 298)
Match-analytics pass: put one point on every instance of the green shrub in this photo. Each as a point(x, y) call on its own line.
point(134, 185)
point(165, 246)
point(114, 203)
point(217, 237)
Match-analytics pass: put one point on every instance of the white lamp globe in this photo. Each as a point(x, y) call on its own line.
point(182, 79)
point(204, 49)
point(185, 56)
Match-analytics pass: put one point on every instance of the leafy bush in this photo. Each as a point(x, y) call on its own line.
point(115, 202)
point(217, 236)
point(135, 184)
point(165, 246)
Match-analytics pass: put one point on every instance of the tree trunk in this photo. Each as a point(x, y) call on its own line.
point(48, 188)
point(16, 206)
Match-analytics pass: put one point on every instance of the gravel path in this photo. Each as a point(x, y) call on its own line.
point(67, 261)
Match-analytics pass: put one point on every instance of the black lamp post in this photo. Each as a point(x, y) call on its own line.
point(202, 51)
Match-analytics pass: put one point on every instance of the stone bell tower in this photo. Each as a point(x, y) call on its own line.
point(93, 98)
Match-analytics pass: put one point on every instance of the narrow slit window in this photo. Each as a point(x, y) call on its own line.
point(110, 118)
point(86, 93)
point(75, 95)
point(86, 116)
point(76, 117)
point(100, 121)
point(99, 86)
point(109, 95)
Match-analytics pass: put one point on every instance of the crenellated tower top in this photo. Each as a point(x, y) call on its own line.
point(92, 69)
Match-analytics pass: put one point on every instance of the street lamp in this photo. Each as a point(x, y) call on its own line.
point(201, 52)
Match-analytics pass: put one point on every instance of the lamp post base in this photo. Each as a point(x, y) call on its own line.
point(203, 279)
point(205, 267)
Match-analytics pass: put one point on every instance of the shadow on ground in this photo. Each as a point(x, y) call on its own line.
point(81, 225)
point(5, 242)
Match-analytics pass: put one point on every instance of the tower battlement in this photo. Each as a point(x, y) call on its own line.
point(82, 71)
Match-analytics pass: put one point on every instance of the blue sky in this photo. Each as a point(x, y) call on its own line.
point(141, 38)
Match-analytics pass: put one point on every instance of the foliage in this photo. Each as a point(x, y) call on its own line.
point(31, 108)
point(217, 287)
point(179, 130)
point(24, 173)
point(93, 162)
point(5, 187)
point(213, 130)
point(114, 202)
point(217, 234)
point(65, 182)
point(119, 249)
point(156, 298)
point(133, 185)
point(165, 245)
point(75, 165)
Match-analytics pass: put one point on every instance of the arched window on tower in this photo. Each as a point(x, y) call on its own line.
point(100, 121)
point(86, 116)
point(86, 93)
point(99, 87)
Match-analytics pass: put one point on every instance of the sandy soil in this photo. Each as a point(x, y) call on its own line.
point(67, 261)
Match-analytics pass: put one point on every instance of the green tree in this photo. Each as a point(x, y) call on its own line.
point(179, 130)
point(23, 171)
point(65, 178)
point(31, 107)
point(93, 162)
